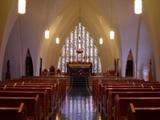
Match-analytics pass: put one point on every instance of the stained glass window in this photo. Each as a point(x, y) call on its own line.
point(79, 47)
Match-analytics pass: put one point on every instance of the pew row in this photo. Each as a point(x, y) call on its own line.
point(50, 95)
point(140, 112)
point(13, 111)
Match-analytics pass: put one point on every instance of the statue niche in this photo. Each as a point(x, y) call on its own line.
point(28, 64)
point(129, 65)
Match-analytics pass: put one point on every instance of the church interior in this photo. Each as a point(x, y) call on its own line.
point(79, 60)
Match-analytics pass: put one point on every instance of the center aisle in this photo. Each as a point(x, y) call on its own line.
point(78, 105)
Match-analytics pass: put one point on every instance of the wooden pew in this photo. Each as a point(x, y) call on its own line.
point(103, 97)
point(110, 101)
point(54, 92)
point(102, 86)
point(44, 109)
point(148, 112)
point(13, 112)
point(121, 105)
point(50, 103)
point(107, 90)
point(31, 103)
point(54, 86)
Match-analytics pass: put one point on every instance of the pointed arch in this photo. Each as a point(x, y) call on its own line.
point(28, 64)
point(130, 65)
point(80, 47)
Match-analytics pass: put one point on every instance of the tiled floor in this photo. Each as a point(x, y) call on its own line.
point(78, 105)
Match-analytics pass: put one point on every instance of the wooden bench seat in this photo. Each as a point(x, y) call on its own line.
point(148, 112)
point(103, 95)
point(107, 90)
point(13, 112)
point(110, 101)
point(121, 105)
point(51, 103)
point(43, 99)
point(32, 105)
point(129, 88)
point(49, 100)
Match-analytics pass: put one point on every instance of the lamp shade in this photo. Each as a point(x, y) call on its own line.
point(101, 41)
point(47, 34)
point(57, 40)
point(138, 6)
point(112, 35)
point(21, 6)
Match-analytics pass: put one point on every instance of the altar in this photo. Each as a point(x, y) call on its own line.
point(80, 69)
point(79, 72)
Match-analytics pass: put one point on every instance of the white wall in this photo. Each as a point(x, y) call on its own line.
point(13, 53)
point(127, 23)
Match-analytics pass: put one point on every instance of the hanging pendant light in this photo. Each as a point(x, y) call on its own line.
point(138, 6)
point(47, 34)
point(47, 31)
point(57, 40)
point(111, 32)
point(112, 35)
point(21, 6)
point(101, 41)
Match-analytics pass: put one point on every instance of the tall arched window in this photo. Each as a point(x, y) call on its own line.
point(79, 47)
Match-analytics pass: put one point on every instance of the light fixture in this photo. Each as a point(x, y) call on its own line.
point(47, 34)
point(111, 32)
point(138, 6)
point(112, 35)
point(57, 40)
point(21, 6)
point(101, 41)
point(47, 31)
